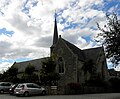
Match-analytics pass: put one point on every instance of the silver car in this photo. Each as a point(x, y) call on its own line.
point(4, 87)
point(26, 89)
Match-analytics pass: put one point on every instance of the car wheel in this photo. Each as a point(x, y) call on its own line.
point(26, 94)
point(17, 95)
point(43, 92)
point(1, 91)
point(11, 93)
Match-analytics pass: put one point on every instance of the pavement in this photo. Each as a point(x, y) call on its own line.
point(83, 96)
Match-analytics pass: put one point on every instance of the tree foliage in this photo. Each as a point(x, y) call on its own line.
point(29, 78)
point(47, 73)
point(29, 75)
point(29, 69)
point(115, 82)
point(111, 38)
point(10, 75)
point(12, 71)
point(88, 66)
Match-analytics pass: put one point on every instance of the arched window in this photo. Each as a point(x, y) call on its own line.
point(61, 65)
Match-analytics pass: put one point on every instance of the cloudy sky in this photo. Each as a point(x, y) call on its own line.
point(26, 26)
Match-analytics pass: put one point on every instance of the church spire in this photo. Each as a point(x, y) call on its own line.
point(55, 37)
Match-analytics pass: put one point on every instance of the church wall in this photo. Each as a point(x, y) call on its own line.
point(99, 60)
point(70, 63)
point(102, 66)
point(82, 76)
point(80, 72)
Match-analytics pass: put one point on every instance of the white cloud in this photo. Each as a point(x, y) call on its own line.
point(87, 4)
point(117, 68)
point(32, 22)
point(4, 66)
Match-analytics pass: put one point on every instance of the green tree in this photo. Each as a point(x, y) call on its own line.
point(10, 75)
point(29, 75)
point(47, 73)
point(115, 84)
point(30, 78)
point(12, 71)
point(1, 77)
point(29, 69)
point(111, 38)
point(88, 66)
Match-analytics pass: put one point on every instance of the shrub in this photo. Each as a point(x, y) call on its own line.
point(74, 86)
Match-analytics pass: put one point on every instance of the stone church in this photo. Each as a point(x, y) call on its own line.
point(70, 62)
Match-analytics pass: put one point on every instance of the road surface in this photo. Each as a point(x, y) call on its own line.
point(84, 96)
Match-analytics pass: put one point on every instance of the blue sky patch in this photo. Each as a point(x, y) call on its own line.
point(17, 60)
point(5, 32)
point(27, 8)
point(87, 38)
point(8, 60)
point(71, 25)
point(110, 4)
point(22, 59)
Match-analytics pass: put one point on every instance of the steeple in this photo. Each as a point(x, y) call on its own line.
point(55, 36)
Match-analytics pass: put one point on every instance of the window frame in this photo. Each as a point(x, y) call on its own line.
point(61, 69)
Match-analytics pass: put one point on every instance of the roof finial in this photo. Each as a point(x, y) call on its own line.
point(55, 13)
point(59, 36)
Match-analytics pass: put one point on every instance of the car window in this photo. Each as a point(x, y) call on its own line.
point(20, 86)
point(5, 84)
point(12, 85)
point(32, 86)
point(36, 86)
point(29, 85)
point(2, 84)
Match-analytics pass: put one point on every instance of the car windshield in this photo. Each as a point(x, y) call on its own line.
point(12, 86)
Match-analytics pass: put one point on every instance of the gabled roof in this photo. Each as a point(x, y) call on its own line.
point(75, 50)
point(22, 65)
point(93, 53)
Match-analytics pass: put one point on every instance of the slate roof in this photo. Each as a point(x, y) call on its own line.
point(86, 54)
point(75, 50)
point(22, 65)
point(93, 53)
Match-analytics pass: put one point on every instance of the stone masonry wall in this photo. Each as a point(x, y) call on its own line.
point(70, 62)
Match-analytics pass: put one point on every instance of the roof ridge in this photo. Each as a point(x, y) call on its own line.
point(92, 48)
point(75, 50)
point(31, 60)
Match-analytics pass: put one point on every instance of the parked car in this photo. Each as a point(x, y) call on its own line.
point(5, 86)
point(26, 89)
point(12, 88)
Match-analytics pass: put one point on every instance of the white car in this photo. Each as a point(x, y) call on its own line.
point(26, 89)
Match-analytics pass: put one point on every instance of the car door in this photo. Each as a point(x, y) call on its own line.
point(37, 89)
point(31, 89)
point(6, 86)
